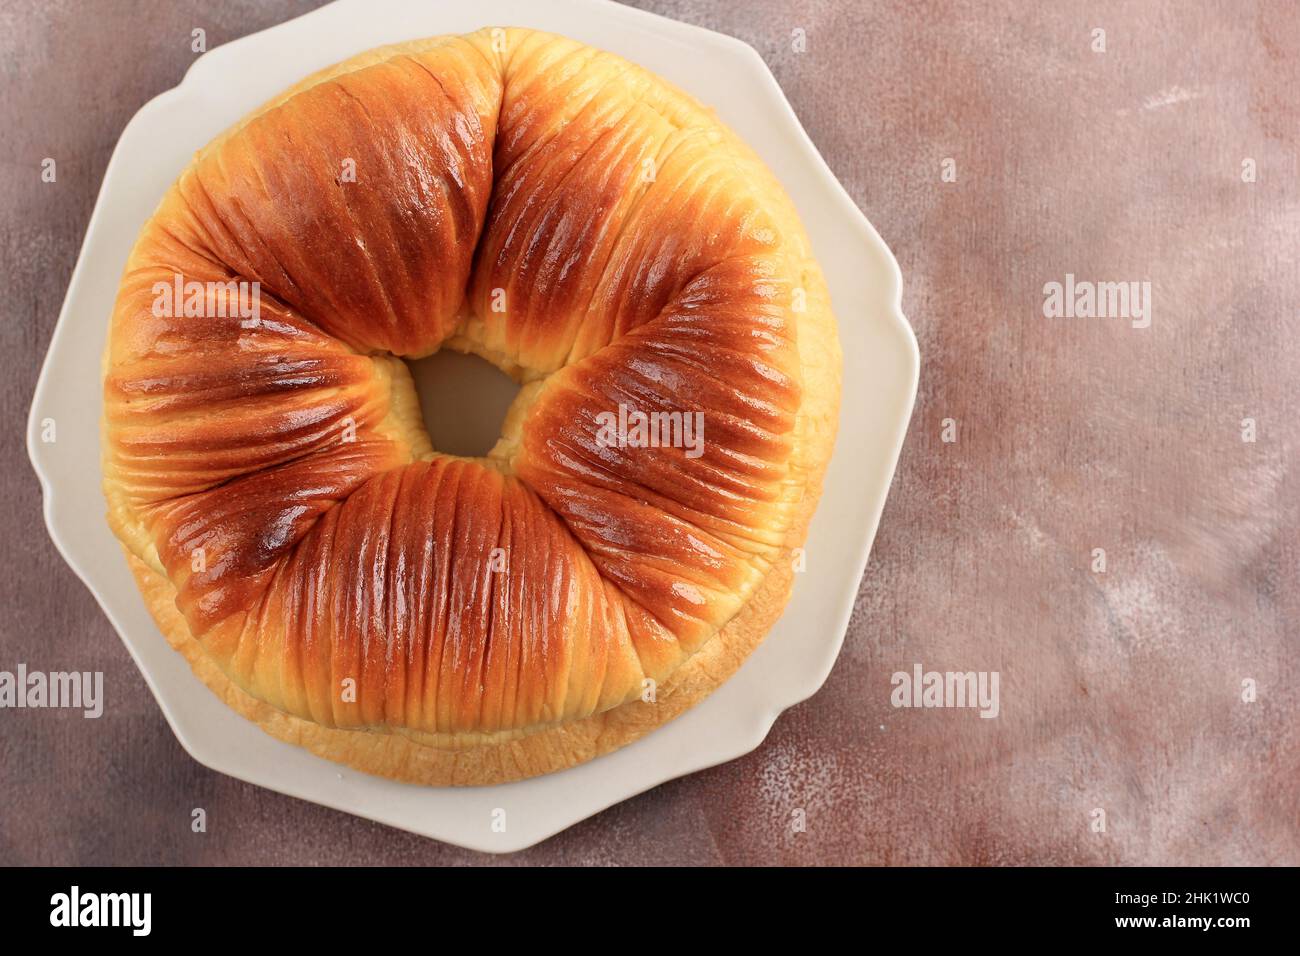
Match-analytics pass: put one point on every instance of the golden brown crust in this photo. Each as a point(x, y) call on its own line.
point(363, 563)
point(443, 763)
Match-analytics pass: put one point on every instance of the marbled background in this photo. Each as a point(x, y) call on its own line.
point(1120, 690)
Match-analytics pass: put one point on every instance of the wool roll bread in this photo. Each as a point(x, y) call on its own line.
point(585, 227)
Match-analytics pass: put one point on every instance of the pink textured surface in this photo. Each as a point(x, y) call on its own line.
point(1119, 690)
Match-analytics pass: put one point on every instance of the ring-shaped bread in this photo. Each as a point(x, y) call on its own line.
point(587, 228)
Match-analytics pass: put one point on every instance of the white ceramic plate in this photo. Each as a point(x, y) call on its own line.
point(880, 374)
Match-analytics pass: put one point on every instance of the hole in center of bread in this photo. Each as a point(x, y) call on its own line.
point(464, 400)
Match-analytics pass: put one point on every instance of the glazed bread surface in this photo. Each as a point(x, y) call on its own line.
point(585, 227)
